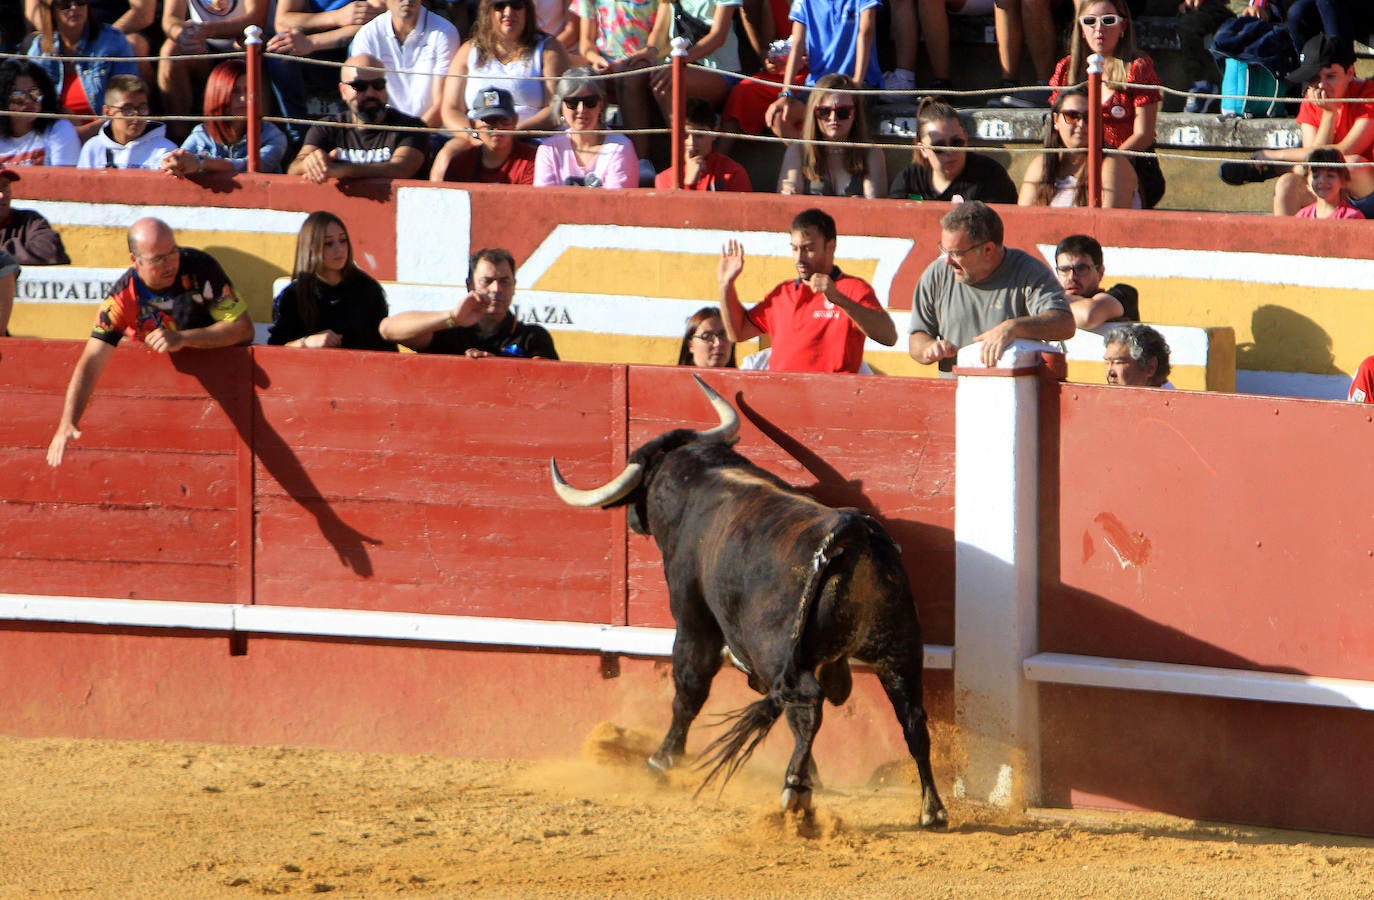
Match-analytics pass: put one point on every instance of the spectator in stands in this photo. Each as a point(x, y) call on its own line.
point(828, 38)
point(499, 157)
point(980, 290)
point(135, 19)
point(1137, 356)
point(933, 16)
point(507, 51)
point(9, 278)
point(703, 168)
point(832, 159)
point(416, 46)
point(24, 234)
point(481, 325)
point(943, 169)
point(27, 139)
point(1129, 114)
point(1345, 21)
point(319, 30)
point(619, 37)
point(581, 156)
point(1362, 385)
point(712, 57)
point(1058, 176)
point(1030, 22)
point(129, 140)
point(1078, 265)
point(746, 106)
point(554, 18)
point(1328, 180)
point(344, 146)
point(1196, 22)
point(67, 30)
point(330, 302)
point(705, 343)
point(819, 320)
point(219, 145)
point(171, 298)
point(1328, 70)
point(196, 27)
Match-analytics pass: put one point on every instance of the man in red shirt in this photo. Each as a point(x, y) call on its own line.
point(703, 168)
point(818, 321)
point(499, 157)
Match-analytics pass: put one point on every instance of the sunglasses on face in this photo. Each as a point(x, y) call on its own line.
point(1110, 20)
point(838, 113)
point(362, 84)
point(952, 145)
point(503, 5)
point(590, 101)
point(61, 5)
point(32, 95)
point(1072, 115)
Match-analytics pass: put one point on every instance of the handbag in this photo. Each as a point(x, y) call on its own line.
point(688, 26)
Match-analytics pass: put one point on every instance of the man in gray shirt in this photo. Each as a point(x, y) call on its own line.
point(979, 290)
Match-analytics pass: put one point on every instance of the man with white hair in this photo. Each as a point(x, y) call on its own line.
point(1137, 356)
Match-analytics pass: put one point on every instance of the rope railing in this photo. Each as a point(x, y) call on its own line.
point(255, 55)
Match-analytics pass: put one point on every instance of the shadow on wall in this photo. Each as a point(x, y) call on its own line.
point(1286, 341)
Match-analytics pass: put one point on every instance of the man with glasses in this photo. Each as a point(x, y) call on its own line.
point(819, 320)
point(979, 290)
point(128, 139)
point(170, 299)
point(1078, 265)
point(499, 157)
point(348, 145)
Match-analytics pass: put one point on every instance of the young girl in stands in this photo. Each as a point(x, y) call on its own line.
point(1059, 176)
point(1128, 113)
point(1330, 184)
point(942, 168)
point(831, 159)
point(330, 302)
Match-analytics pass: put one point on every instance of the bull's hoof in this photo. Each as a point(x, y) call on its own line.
point(659, 764)
point(796, 799)
point(934, 818)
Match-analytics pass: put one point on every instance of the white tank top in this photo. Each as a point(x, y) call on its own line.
point(529, 96)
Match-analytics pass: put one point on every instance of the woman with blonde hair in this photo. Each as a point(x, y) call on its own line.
point(831, 160)
point(330, 302)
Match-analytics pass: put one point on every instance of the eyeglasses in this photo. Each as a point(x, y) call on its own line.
point(952, 145)
point(155, 261)
point(503, 5)
point(1110, 20)
point(362, 84)
point(957, 255)
point(838, 113)
point(60, 5)
point(32, 95)
point(1072, 115)
point(710, 337)
point(130, 109)
point(587, 101)
point(1076, 269)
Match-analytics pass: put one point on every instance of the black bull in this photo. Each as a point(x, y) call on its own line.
point(793, 588)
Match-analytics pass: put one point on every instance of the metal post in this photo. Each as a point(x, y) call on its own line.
point(1095, 63)
point(252, 41)
point(679, 123)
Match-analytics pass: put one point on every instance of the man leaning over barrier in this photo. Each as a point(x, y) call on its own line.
point(171, 298)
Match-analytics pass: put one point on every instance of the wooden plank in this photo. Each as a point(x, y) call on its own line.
point(119, 579)
point(121, 478)
point(118, 535)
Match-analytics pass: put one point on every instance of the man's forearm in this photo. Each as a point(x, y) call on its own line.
point(732, 311)
point(405, 327)
point(875, 323)
point(1051, 325)
point(230, 333)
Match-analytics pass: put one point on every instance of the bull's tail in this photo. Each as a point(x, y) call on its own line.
point(727, 753)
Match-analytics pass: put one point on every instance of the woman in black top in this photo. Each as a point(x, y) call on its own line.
point(330, 302)
point(941, 167)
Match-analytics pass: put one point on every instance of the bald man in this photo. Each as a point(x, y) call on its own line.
point(171, 298)
point(346, 146)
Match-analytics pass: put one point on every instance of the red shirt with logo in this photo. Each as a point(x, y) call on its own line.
point(811, 334)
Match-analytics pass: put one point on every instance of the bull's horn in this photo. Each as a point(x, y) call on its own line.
point(610, 492)
point(729, 419)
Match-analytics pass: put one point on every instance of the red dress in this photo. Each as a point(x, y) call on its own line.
point(1118, 112)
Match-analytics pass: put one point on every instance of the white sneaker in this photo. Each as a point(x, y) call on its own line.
point(899, 80)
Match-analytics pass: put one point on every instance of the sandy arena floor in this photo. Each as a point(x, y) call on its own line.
point(124, 819)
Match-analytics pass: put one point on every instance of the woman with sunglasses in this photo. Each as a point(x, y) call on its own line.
point(1128, 113)
point(67, 30)
point(1058, 176)
point(583, 156)
point(507, 50)
point(27, 139)
point(705, 343)
point(330, 302)
point(831, 160)
point(219, 145)
point(941, 167)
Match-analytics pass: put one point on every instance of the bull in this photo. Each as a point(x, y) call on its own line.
point(792, 588)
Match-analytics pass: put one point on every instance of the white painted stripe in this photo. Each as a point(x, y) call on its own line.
point(1293, 384)
point(433, 230)
point(360, 624)
point(1170, 678)
point(1228, 265)
point(191, 218)
point(1188, 346)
